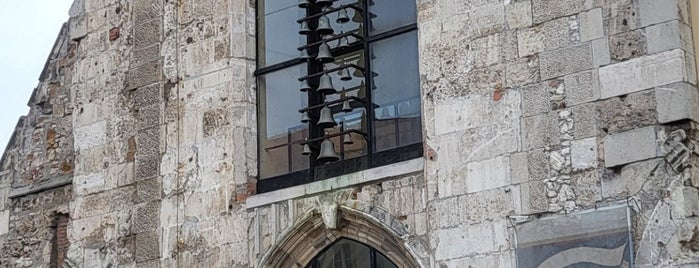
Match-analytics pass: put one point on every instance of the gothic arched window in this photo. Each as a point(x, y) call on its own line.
point(346, 253)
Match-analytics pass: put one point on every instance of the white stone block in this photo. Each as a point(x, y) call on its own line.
point(643, 73)
point(4, 222)
point(488, 174)
point(91, 136)
point(677, 102)
point(667, 36)
point(465, 240)
point(591, 25)
point(657, 11)
point(630, 146)
point(530, 41)
point(584, 153)
point(600, 52)
point(519, 14)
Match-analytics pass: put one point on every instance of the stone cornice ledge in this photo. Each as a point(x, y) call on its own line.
point(360, 177)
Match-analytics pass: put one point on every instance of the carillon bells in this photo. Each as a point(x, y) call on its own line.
point(305, 56)
point(326, 119)
point(345, 74)
point(342, 16)
point(324, 54)
point(327, 152)
point(306, 149)
point(304, 28)
point(305, 118)
point(325, 86)
point(305, 86)
point(324, 27)
point(347, 139)
point(304, 3)
point(346, 107)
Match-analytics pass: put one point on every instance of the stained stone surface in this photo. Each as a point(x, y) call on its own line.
point(531, 109)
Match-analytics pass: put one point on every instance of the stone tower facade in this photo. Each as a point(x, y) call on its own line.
point(550, 127)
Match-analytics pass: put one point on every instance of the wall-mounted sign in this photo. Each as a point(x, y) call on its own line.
point(597, 238)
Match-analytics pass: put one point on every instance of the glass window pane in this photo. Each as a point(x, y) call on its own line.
point(345, 254)
point(278, 32)
point(280, 122)
point(383, 262)
point(388, 15)
point(396, 92)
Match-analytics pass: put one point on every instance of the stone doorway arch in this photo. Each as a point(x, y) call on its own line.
point(377, 229)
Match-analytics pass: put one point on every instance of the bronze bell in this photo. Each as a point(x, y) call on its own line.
point(327, 152)
point(326, 119)
point(343, 42)
point(345, 75)
point(324, 3)
point(325, 86)
point(342, 16)
point(304, 55)
point(346, 107)
point(361, 93)
point(305, 86)
point(324, 54)
point(347, 139)
point(306, 149)
point(304, 3)
point(305, 118)
point(324, 27)
point(304, 28)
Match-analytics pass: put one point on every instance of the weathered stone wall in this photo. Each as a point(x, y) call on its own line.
point(532, 108)
point(38, 165)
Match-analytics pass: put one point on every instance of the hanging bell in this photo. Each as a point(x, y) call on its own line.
point(326, 118)
point(305, 118)
point(342, 16)
point(304, 28)
point(325, 86)
point(361, 93)
point(327, 152)
point(304, 3)
point(305, 86)
point(347, 139)
point(305, 56)
point(306, 149)
point(324, 27)
point(324, 3)
point(324, 54)
point(357, 17)
point(346, 107)
point(343, 42)
point(345, 76)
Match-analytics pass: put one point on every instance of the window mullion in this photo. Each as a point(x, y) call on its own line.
point(368, 81)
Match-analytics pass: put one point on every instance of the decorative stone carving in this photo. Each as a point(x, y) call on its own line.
point(676, 152)
point(327, 205)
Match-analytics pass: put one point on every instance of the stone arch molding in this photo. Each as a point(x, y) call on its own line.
point(332, 219)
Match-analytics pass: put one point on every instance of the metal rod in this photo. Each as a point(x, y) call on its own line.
point(329, 11)
point(304, 142)
point(332, 70)
point(333, 38)
point(309, 108)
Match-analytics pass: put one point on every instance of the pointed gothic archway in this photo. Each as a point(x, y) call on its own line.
point(376, 229)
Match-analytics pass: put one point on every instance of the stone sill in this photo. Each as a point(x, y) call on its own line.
point(54, 183)
point(360, 177)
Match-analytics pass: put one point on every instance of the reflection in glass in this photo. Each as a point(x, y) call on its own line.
point(280, 122)
point(278, 35)
point(391, 14)
point(396, 92)
point(350, 254)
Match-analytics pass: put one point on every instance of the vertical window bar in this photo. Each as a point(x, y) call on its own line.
point(367, 81)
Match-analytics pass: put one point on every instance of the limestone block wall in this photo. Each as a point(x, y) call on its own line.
point(532, 108)
point(38, 165)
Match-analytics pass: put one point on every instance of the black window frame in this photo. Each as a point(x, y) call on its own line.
point(372, 159)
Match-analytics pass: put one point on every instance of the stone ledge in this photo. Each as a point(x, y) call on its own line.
point(360, 177)
point(54, 183)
